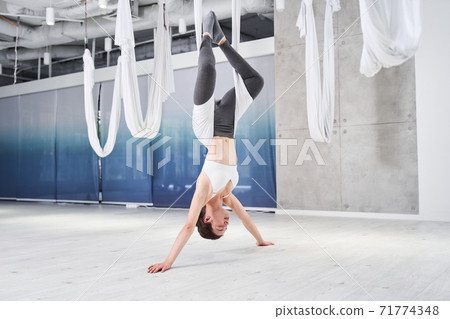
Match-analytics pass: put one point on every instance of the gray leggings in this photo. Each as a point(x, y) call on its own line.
point(206, 81)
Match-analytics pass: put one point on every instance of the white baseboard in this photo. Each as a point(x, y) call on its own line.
point(70, 201)
point(35, 200)
point(391, 216)
point(294, 212)
point(128, 204)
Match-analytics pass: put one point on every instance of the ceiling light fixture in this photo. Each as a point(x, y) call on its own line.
point(108, 44)
point(280, 5)
point(47, 58)
point(103, 3)
point(182, 22)
point(182, 26)
point(50, 16)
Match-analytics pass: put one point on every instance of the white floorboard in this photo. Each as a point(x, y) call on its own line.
point(56, 251)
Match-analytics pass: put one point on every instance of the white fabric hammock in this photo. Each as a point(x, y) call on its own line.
point(203, 115)
point(319, 99)
point(126, 83)
point(235, 22)
point(391, 33)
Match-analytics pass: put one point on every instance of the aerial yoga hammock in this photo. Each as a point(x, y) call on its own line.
point(319, 99)
point(126, 84)
point(214, 124)
point(203, 115)
point(391, 32)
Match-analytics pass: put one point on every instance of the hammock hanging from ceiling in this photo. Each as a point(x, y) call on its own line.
point(126, 82)
point(391, 33)
point(235, 39)
point(319, 98)
point(204, 129)
point(235, 22)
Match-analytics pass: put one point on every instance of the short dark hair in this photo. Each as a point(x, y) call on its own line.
point(205, 229)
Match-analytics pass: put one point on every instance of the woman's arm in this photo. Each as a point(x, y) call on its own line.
point(236, 206)
point(198, 201)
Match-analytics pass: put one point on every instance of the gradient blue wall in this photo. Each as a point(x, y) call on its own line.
point(45, 152)
point(173, 179)
point(121, 183)
point(9, 146)
point(77, 168)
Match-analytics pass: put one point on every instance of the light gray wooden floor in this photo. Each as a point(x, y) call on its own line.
point(55, 252)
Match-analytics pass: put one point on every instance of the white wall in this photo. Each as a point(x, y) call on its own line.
point(433, 111)
point(248, 49)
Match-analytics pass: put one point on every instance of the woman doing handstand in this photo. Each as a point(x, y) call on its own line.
point(214, 124)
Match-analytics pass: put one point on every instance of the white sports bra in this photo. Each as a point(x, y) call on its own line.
point(219, 175)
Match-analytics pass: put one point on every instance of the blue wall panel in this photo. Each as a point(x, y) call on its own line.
point(44, 146)
point(173, 179)
point(258, 125)
point(9, 131)
point(37, 170)
point(122, 183)
point(77, 164)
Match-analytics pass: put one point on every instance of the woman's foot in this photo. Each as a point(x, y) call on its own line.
point(218, 36)
point(208, 24)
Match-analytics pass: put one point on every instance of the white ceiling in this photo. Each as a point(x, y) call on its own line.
point(35, 35)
